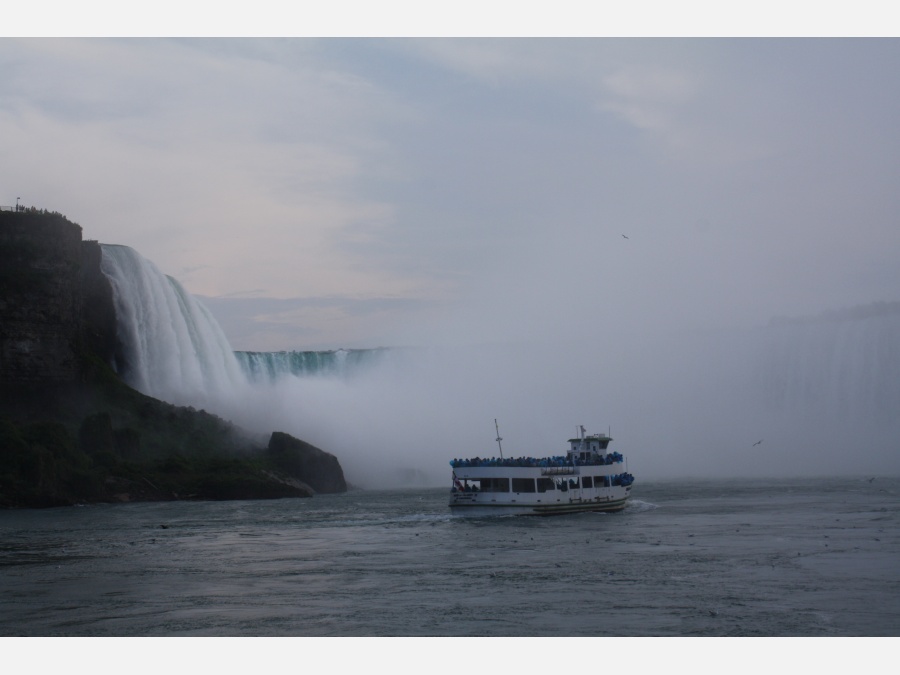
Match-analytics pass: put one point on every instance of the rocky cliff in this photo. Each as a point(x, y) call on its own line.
point(297, 457)
point(40, 297)
point(71, 431)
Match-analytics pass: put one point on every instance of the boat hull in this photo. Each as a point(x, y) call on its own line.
point(489, 508)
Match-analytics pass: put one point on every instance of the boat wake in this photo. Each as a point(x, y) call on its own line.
point(638, 506)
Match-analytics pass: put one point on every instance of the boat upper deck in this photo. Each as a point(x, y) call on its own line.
point(589, 459)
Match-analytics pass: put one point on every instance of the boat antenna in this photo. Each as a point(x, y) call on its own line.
point(497, 427)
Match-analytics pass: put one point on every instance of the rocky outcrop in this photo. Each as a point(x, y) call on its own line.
point(298, 459)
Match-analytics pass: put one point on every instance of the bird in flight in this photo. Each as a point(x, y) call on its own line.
point(624, 237)
point(757, 443)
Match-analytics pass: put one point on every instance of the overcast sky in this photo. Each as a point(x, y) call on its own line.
point(325, 193)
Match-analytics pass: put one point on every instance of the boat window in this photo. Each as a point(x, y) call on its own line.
point(495, 484)
point(544, 484)
point(470, 486)
point(523, 484)
point(587, 481)
point(567, 484)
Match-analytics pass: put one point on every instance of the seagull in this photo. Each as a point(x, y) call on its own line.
point(624, 236)
point(757, 443)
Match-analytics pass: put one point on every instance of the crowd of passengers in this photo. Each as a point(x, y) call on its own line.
point(558, 460)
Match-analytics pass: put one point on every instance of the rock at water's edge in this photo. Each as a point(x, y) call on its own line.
point(317, 468)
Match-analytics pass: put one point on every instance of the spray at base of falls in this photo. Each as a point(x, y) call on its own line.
point(822, 396)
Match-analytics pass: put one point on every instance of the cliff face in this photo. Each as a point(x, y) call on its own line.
point(98, 312)
point(40, 297)
point(71, 431)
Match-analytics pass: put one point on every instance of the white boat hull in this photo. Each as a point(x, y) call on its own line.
point(468, 503)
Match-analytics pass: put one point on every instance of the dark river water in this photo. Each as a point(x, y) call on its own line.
point(811, 557)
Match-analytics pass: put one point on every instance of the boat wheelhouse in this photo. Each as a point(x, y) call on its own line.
point(588, 477)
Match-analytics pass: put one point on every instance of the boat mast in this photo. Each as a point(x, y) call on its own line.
point(497, 427)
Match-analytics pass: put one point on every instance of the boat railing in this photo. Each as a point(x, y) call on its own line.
point(532, 462)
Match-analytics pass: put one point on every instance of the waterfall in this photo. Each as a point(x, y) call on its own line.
point(845, 367)
point(343, 363)
point(172, 347)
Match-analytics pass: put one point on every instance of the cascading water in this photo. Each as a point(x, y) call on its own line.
point(272, 366)
point(173, 349)
point(843, 367)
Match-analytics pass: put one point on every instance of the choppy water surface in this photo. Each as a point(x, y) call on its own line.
point(791, 558)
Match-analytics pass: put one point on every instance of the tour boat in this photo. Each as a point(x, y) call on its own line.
point(586, 478)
